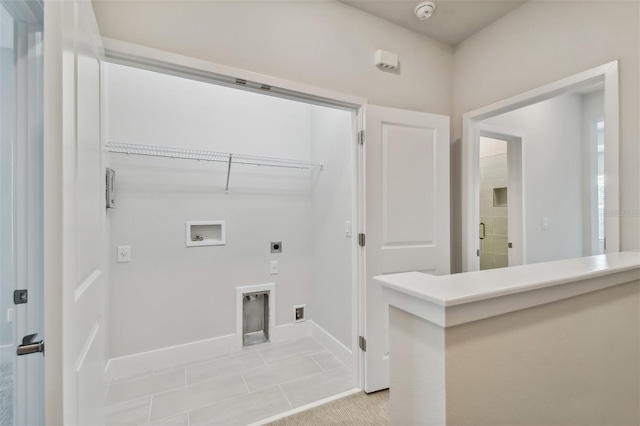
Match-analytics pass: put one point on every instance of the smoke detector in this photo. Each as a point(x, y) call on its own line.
point(424, 10)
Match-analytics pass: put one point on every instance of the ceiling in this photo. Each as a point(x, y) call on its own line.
point(452, 22)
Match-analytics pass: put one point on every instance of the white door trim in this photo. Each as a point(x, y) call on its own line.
point(360, 253)
point(143, 57)
point(607, 73)
point(26, 204)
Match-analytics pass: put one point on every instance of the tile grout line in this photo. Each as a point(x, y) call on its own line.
point(335, 368)
point(241, 370)
point(160, 370)
point(300, 356)
point(300, 378)
point(318, 364)
point(269, 387)
point(262, 358)
point(293, 359)
point(150, 406)
point(305, 377)
point(186, 384)
point(234, 397)
point(245, 383)
point(212, 403)
point(127, 401)
point(159, 393)
point(285, 396)
point(130, 377)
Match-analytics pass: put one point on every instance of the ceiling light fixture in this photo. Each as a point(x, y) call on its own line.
point(424, 10)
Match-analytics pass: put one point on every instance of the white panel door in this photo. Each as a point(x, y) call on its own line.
point(75, 218)
point(407, 214)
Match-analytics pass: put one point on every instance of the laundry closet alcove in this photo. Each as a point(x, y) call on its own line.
point(269, 169)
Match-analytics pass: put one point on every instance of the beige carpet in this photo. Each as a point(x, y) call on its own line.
point(356, 409)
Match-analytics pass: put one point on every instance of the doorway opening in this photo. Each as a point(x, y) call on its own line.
point(501, 234)
point(279, 178)
point(563, 193)
point(494, 199)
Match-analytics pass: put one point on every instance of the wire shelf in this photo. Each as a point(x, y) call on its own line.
point(201, 155)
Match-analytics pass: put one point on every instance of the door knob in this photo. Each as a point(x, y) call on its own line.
point(28, 345)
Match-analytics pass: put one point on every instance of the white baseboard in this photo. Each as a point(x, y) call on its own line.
point(173, 355)
point(294, 330)
point(340, 351)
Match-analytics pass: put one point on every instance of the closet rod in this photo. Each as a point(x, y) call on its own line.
point(202, 155)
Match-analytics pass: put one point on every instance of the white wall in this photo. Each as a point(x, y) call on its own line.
point(541, 42)
point(592, 113)
point(170, 294)
point(331, 282)
point(322, 43)
point(552, 149)
point(330, 45)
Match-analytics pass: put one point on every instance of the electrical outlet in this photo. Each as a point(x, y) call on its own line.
point(124, 254)
point(274, 267)
point(298, 313)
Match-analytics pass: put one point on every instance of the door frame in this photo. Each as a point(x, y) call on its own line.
point(515, 185)
point(608, 74)
point(28, 205)
point(132, 55)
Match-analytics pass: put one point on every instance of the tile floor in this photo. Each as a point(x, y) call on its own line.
point(233, 388)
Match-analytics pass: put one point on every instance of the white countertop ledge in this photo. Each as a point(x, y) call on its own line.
point(459, 298)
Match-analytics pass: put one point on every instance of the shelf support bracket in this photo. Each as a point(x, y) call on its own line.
point(226, 189)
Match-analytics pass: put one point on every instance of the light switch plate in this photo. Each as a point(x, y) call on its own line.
point(273, 267)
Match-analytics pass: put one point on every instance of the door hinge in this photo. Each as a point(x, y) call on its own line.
point(361, 137)
point(478, 252)
point(510, 245)
point(362, 240)
point(362, 343)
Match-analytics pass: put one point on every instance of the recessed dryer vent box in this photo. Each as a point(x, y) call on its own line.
point(205, 233)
